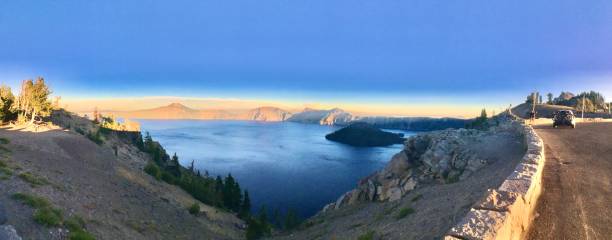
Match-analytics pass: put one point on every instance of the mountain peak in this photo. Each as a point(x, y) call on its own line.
point(177, 105)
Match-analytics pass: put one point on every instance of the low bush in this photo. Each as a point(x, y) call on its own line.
point(194, 209)
point(416, 198)
point(76, 225)
point(153, 170)
point(404, 212)
point(167, 177)
point(4, 140)
point(48, 216)
point(31, 200)
point(80, 235)
point(33, 180)
point(367, 236)
point(95, 137)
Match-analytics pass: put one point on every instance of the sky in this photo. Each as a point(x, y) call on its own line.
point(404, 57)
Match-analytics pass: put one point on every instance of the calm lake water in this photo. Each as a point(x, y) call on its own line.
point(281, 164)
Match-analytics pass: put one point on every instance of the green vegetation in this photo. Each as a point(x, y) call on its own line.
point(95, 137)
point(45, 214)
point(4, 140)
point(481, 123)
point(31, 200)
point(194, 209)
point(48, 216)
point(76, 225)
point(80, 235)
point(292, 220)
point(5, 171)
point(31, 103)
point(369, 235)
point(405, 211)
point(592, 101)
point(33, 180)
point(33, 100)
point(259, 226)
point(6, 104)
point(153, 170)
point(223, 193)
point(416, 197)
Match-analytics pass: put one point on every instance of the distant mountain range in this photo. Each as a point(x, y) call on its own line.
point(180, 111)
point(333, 116)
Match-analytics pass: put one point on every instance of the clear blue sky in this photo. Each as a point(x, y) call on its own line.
point(465, 50)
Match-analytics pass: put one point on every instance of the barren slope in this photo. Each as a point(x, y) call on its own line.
point(112, 193)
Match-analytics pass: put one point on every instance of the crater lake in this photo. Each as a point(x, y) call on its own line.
point(282, 164)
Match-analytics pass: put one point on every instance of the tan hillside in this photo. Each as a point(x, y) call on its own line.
point(107, 188)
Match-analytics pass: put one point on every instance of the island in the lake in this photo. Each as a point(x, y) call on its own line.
point(362, 134)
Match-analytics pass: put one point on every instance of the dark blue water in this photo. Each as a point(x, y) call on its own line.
point(281, 164)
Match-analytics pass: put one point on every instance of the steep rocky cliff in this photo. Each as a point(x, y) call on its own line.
point(423, 188)
point(437, 157)
point(334, 116)
point(266, 114)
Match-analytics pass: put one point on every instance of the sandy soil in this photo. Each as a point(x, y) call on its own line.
point(112, 193)
point(576, 202)
point(437, 207)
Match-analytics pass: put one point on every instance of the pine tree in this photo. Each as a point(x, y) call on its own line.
point(245, 208)
point(291, 219)
point(550, 98)
point(191, 168)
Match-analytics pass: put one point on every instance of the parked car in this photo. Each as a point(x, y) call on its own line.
point(564, 118)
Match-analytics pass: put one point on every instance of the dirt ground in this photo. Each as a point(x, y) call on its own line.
point(576, 202)
point(437, 207)
point(114, 196)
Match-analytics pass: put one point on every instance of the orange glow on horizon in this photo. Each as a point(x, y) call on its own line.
point(398, 110)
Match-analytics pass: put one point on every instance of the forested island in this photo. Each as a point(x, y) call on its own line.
point(365, 135)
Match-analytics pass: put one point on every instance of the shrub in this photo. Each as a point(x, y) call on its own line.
point(4, 140)
point(74, 223)
point(153, 170)
point(404, 212)
point(95, 137)
point(33, 180)
point(48, 216)
point(80, 131)
point(367, 236)
point(81, 235)
point(31, 200)
point(194, 209)
point(76, 226)
point(416, 198)
point(167, 177)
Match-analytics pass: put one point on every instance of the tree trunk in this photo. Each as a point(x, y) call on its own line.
point(33, 117)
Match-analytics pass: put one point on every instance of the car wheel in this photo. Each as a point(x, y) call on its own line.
point(554, 126)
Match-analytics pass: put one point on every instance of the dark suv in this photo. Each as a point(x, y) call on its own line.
point(564, 118)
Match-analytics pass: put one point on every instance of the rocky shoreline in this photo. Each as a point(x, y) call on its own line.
point(441, 157)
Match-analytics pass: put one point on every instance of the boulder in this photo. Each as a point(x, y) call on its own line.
point(8, 232)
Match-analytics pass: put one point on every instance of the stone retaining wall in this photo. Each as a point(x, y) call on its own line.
point(506, 212)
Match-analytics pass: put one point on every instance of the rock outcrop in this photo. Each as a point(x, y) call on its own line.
point(437, 157)
point(8, 232)
point(334, 116)
point(267, 114)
